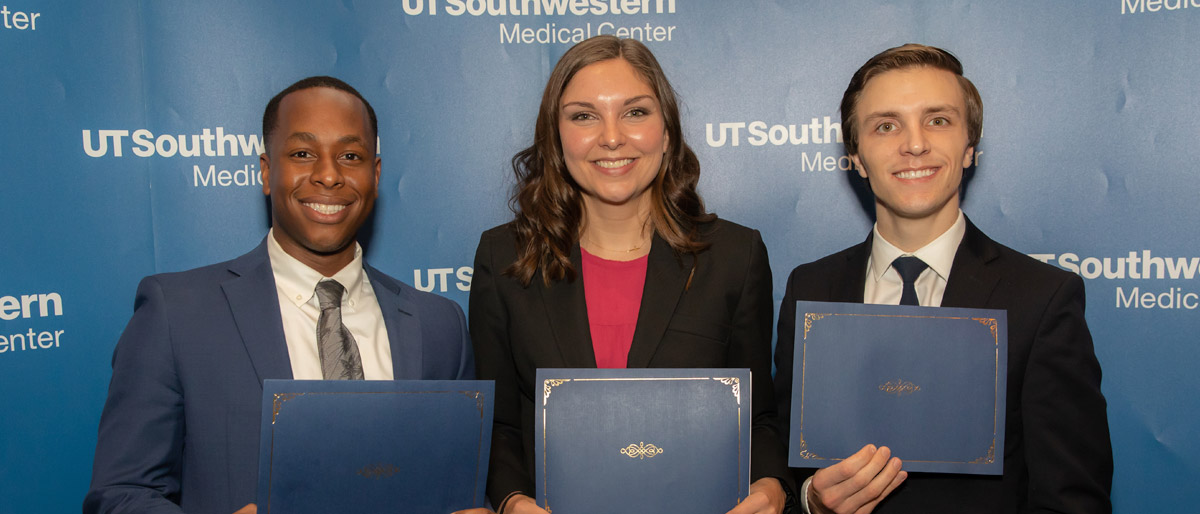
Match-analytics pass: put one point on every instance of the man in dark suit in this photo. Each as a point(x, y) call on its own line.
point(179, 432)
point(912, 123)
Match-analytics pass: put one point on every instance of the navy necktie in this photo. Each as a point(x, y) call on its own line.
point(909, 269)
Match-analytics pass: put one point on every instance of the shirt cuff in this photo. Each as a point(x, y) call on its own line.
point(804, 496)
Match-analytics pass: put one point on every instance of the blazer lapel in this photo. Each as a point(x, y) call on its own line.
point(666, 276)
point(849, 286)
point(970, 285)
point(971, 281)
point(566, 310)
point(403, 327)
point(254, 303)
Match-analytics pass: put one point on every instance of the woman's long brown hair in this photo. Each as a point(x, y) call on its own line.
point(547, 202)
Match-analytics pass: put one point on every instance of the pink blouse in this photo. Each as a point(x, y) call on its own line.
point(613, 292)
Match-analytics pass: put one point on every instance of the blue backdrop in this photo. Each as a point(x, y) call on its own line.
point(130, 137)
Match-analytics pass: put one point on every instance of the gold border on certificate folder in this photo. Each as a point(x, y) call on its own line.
point(550, 383)
point(370, 471)
point(810, 318)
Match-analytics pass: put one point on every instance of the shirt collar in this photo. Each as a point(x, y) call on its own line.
point(298, 282)
point(938, 254)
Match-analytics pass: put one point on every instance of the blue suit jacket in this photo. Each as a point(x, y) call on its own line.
point(180, 429)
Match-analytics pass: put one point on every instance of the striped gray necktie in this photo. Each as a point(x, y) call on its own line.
point(339, 352)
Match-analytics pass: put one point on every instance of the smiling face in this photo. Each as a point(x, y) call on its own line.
point(322, 174)
point(912, 148)
point(612, 133)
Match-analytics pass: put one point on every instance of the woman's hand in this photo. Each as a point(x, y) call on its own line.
point(521, 504)
point(766, 497)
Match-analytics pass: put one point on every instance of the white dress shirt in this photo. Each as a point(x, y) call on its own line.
point(299, 308)
point(884, 285)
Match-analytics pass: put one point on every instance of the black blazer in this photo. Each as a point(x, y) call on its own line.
point(722, 321)
point(1057, 454)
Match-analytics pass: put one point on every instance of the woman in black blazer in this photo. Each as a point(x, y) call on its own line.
point(609, 177)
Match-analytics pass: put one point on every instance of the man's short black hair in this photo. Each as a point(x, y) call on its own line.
point(271, 114)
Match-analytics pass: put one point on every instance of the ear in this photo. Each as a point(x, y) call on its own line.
point(378, 167)
point(666, 141)
point(264, 173)
point(968, 156)
point(862, 172)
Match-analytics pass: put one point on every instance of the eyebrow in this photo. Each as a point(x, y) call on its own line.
point(302, 136)
point(927, 111)
point(589, 105)
point(309, 137)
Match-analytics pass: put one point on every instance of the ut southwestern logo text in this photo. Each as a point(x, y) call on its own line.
point(1144, 6)
point(20, 20)
point(208, 143)
point(24, 307)
point(215, 142)
point(759, 133)
point(552, 32)
point(818, 131)
point(1136, 265)
point(440, 279)
point(537, 7)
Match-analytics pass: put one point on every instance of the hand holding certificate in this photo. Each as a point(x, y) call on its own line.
point(856, 484)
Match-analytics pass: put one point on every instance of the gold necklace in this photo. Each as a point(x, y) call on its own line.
point(631, 250)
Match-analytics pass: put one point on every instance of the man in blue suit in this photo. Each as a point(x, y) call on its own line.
point(179, 432)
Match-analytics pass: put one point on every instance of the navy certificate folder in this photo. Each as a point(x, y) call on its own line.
point(642, 440)
point(374, 445)
point(927, 382)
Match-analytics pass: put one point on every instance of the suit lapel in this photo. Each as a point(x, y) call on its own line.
point(666, 276)
point(403, 327)
point(566, 310)
point(971, 280)
point(849, 282)
point(254, 303)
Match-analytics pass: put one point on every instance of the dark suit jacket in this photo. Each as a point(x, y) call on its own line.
point(722, 321)
point(1057, 455)
point(180, 429)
